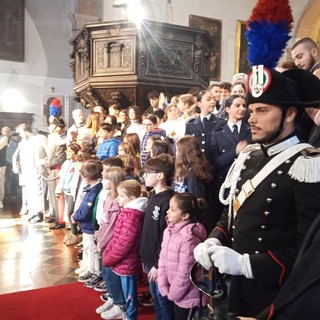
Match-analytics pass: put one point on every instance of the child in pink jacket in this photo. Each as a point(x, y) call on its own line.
point(182, 235)
point(122, 251)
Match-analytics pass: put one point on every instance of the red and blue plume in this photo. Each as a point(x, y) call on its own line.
point(268, 31)
point(55, 107)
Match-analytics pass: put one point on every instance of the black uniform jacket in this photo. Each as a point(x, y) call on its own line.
point(223, 147)
point(195, 128)
point(299, 297)
point(269, 226)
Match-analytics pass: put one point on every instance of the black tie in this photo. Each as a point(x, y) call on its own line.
point(235, 132)
point(205, 123)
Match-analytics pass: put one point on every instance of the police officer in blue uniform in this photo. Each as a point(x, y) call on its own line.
point(206, 123)
point(226, 143)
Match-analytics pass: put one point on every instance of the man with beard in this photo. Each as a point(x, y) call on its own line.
point(306, 55)
point(271, 193)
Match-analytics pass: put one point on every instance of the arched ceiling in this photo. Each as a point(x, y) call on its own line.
point(309, 24)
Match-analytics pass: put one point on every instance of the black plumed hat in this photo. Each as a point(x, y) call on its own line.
point(294, 87)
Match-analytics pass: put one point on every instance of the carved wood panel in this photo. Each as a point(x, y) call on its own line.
point(119, 57)
point(170, 58)
point(114, 56)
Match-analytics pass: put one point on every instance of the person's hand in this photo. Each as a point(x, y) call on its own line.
point(231, 262)
point(203, 251)
point(162, 100)
point(241, 145)
point(15, 170)
point(153, 273)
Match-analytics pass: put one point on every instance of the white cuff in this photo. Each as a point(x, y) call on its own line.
point(246, 266)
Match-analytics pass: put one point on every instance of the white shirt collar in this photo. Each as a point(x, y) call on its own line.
point(230, 125)
point(202, 116)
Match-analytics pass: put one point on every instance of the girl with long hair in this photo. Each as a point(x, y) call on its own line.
point(93, 126)
point(192, 172)
point(122, 251)
point(115, 303)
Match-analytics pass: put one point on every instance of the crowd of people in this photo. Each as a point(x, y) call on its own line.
point(141, 189)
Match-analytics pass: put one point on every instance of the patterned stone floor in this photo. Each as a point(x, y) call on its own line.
point(31, 255)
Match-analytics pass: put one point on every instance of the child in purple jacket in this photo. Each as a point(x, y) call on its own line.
point(183, 234)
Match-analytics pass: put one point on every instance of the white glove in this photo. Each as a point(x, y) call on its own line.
point(203, 251)
point(231, 262)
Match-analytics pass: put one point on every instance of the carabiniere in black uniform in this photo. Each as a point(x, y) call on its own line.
point(269, 226)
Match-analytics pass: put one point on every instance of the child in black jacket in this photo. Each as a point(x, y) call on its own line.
point(158, 173)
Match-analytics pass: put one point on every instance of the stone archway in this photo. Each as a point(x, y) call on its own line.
point(309, 23)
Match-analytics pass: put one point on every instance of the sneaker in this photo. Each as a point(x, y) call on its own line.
point(96, 278)
point(104, 297)
point(115, 312)
point(101, 287)
point(105, 307)
point(145, 299)
point(38, 218)
point(87, 276)
point(80, 270)
point(73, 239)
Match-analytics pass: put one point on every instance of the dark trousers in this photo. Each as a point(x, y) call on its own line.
point(164, 308)
point(11, 181)
point(183, 314)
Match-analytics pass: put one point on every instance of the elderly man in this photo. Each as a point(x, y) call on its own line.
point(78, 128)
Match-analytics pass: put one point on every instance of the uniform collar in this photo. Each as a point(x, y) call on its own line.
point(238, 124)
point(271, 150)
point(207, 116)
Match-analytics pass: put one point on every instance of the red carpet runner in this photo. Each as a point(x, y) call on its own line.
point(66, 302)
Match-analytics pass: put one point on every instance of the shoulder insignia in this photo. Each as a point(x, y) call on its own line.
point(306, 168)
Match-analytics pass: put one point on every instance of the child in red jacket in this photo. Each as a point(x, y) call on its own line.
point(122, 251)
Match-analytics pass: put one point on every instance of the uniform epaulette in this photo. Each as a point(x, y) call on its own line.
point(306, 168)
point(190, 120)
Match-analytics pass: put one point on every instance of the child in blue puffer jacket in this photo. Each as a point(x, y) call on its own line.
point(91, 174)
